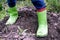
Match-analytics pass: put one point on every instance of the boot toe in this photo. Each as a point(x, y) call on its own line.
point(42, 31)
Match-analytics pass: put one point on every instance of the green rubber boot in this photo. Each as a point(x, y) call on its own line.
point(42, 24)
point(13, 15)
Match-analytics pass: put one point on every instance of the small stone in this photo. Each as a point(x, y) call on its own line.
point(55, 24)
point(55, 27)
point(54, 14)
point(59, 18)
point(52, 36)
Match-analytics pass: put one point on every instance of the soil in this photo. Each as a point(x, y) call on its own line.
point(26, 26)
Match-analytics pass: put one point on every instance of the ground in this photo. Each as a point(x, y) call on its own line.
point(26, 26)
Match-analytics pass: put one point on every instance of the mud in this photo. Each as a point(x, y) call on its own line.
point(28, 20)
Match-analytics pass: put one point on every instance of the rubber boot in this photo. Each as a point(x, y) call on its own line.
point(42, 24)
point(13, 15)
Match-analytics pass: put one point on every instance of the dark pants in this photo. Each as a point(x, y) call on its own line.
point(11, 3)
point(37, 3)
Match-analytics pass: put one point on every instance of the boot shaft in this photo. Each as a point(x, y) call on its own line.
point(12, 11)
point(42, 17)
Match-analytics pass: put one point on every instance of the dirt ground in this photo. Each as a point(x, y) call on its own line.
point(26, 26)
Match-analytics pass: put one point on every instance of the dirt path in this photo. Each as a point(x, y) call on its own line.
point(28, 20)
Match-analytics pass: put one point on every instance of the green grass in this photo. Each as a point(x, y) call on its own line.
point(53, 5)
point(2, 14)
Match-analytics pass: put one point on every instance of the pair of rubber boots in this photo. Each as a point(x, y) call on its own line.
point(42, 21)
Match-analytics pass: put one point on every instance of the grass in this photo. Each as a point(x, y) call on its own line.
point(53, 5)
point(2, 14)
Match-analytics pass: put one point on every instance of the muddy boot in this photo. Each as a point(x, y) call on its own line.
point(42, 24)
point(13, 13)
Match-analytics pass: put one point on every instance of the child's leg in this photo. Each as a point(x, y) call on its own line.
point(42, 17)
point(38, 4)
point(13, 13)
point(11, 3)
